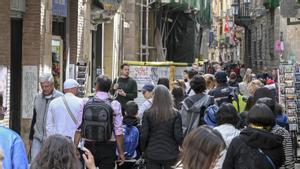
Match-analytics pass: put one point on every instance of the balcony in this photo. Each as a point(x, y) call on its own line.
point(241, 11)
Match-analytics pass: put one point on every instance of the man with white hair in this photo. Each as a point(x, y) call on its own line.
point(65, 112)
point(42, 100)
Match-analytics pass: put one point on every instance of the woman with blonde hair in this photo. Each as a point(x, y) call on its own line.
point(243, 86)
point(210, 81)
point(254, 85)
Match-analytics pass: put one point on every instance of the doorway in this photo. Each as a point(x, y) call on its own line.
point(16, 74)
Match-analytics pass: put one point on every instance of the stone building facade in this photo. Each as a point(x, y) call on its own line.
point(26, 50)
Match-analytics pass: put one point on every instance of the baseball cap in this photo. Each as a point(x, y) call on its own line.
point(70, 83)
point(221, 77)
point(148, 88)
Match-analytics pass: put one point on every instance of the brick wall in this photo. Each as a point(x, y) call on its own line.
point(73, 31)
point(31, 33)
point(4, 32)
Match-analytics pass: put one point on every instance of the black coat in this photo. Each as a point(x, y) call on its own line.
point(243, 151)
point(222, 94)
point(160, 141)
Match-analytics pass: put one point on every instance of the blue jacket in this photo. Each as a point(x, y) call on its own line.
point(13, 148)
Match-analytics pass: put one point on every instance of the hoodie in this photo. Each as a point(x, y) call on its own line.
point(192, 111)
point(243, 152)
point(131, 121)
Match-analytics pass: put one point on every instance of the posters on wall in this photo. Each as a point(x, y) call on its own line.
point(145, 75)
point(3, 83)
point(178, 74)
point(148, 74)
point(29, 89)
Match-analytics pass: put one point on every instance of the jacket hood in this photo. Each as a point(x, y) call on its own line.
point(261, 139)
point(196, 102)
point(131, 121)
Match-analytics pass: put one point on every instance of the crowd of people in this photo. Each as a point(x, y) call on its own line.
point(223, 120)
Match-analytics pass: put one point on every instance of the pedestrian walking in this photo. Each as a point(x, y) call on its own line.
point(256, 147)
point(59, 152)
point(189, 91)
point(64, 113)
point(164, 81)
point(222, 93)
point(227, 119)
point(42, 100)
point(161, 131)
point(193, 107)
point(131, 125)
point(124, 88)
point(203, 148)
point(15, 156)
point(233, 80)
point(147, 92)
point(12, 149)
point(243, 86)
point(102, 126)
point(287, 144)
point(210, 81)
point(178, 96)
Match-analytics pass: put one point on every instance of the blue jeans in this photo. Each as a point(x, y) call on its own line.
point(35, 148)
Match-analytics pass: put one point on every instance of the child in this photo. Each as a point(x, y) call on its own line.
point(131, 134)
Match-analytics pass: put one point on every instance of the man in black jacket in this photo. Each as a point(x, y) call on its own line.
point(222, 93)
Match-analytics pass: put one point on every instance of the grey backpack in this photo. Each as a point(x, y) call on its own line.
point(97, 120)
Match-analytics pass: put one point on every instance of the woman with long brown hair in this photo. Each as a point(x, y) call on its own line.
point(202, 149)
point(59, 152)
point(161, 132)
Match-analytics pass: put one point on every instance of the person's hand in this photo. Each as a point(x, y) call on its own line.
point(121, 159)
point(88, 159)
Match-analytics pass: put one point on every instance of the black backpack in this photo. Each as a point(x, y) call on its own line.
point(97, 120)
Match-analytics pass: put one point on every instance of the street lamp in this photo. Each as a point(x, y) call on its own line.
point(235, 8)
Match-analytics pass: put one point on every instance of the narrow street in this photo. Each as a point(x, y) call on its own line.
point(156, 84)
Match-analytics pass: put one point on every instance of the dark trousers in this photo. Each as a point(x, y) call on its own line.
point(151, 164)
point(126, 165)
point(104, 154)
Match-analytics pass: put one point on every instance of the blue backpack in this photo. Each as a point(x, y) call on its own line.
point(210, 115)
point(131, 141)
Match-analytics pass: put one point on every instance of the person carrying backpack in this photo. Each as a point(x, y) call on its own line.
point(102, 126)
point(222, 93)
point(193, 108)
point(131, 135)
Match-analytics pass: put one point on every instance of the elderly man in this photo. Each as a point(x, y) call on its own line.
point(64, 113)
point(42, 100)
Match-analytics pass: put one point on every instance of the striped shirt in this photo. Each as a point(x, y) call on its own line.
point(287, 146)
